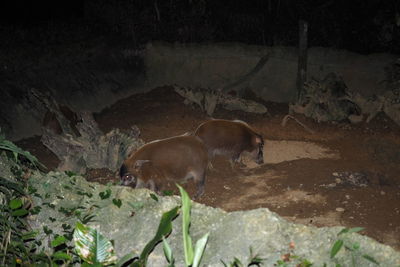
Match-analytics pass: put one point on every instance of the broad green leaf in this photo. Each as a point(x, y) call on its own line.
point(59, 240)
point(370, 258)
point(199, 250)
point(336, 247)
point(19, 213)
point(187, 240)
point(93, 247)
point(15, 203)
point(164, 229)
point(168, 253)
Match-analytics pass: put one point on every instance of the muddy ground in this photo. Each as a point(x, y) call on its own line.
point(342, 174)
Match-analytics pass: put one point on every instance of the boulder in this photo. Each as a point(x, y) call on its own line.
point(63, 198)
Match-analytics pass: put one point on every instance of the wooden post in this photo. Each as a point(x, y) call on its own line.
point(302, 62)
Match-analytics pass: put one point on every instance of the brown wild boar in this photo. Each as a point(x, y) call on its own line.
point(173, 159)
point(231, 139)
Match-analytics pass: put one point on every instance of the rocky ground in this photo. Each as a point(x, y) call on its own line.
point(342, 174)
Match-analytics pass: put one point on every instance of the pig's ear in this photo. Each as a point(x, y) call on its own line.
point(139, 163)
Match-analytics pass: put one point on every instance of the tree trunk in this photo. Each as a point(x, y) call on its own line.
point(302, 62)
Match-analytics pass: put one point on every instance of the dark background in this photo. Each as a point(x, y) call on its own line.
point(359, 26)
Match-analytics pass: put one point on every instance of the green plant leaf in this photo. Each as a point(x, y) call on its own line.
point(125, 259)
point(187, 240)
point(168, 192)
point(12, 186)
point(168, 253)
point(336, 247)
point(15, 203)
point(85, 264)
point(350, 230)
point(10, 146)
point(47, 230)
point(199, 250)
point(93, 247)
point(29, 235)
point(87, 218)
point(59, 255)
point(19, 213)
point(370, 258)
point(356, 246)
point(70, 173)
point(164, 229)
point(355, 230)
point(153, 196)
point(59, 240)
point(117, 202)
point(105, 194)
point(35, 210)
point(343, 231)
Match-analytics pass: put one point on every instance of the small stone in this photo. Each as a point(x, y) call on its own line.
point(335, 174)
point(340, 209)
point(347, 196)
point(338, 180)
point(383, 193)
point(331, 185)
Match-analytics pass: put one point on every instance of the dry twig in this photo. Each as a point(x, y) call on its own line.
point(287, 117)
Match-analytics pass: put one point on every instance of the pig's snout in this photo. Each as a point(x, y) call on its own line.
point(128, 179)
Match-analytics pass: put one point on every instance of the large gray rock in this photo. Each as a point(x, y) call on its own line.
point(231, 233)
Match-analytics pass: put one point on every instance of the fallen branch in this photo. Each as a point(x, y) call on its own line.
point(287, 117)
point(255, 70)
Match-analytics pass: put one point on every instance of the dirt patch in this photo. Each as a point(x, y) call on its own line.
point(297, 181)
point(280, 151)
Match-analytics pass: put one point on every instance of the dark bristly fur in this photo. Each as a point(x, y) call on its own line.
point(231, 139)
point(173, 159)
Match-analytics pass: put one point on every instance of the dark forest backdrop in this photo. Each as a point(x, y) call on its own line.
point(364, 26)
